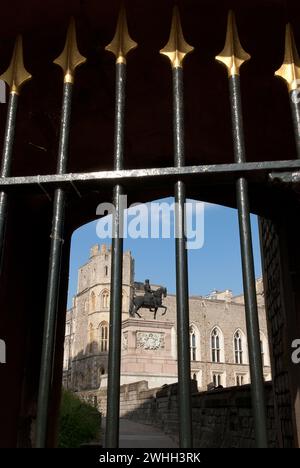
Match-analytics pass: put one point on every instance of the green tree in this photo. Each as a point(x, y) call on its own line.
point(79, 422)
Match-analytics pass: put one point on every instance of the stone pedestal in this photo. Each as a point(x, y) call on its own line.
point(148, 352)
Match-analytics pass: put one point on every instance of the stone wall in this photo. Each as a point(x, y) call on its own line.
point(221, 417)
point(279, 312)
point(87, 322)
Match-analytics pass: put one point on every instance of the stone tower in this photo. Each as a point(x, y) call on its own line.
point(94, 281)
point(87, 325)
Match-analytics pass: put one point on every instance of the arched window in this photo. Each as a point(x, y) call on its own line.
point(105, 299)
point(91, 338)
point(104, 337)
point(193, 344)
point(124, 301)
point(264, 350)
point(93, 301)
point(217, 379)
point(238, 347)
point(100, 373)
point(216, 343)
point(240, 379)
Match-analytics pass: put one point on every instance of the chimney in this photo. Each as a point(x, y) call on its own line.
point(94, 250)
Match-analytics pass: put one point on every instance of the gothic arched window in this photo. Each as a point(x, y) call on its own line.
point(93, 301)
point(105, 299)
point(91, 337)
point(264, 350)
point(124, 300)
point(216, 345)
point(104, 337)
point(193, 344)
point(238, 347)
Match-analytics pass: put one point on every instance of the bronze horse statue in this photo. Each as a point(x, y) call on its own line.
point(151, 301)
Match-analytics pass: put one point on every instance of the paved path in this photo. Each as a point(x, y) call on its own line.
point(136, 435)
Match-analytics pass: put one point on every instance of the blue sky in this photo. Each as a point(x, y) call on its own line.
point(217, 265)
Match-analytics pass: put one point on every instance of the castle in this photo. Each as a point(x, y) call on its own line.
point(218, 342)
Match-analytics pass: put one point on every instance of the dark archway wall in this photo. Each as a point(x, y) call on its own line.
point(281, 266)
point(148, 143)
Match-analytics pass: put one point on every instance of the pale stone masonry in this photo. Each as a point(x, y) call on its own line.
point(222, 418)
point(219, 354)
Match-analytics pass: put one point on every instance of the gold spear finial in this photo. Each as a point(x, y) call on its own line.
point(16, 75)
point(122, 42)
point(176, 48)
point(70, 58)
point(290, 69)
point(233, 55)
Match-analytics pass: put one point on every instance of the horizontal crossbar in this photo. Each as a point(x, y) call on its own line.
point(225, 172)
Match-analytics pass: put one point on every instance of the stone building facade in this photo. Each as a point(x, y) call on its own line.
point(219, 355)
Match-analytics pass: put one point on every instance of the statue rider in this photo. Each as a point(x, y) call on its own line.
point(148, 292)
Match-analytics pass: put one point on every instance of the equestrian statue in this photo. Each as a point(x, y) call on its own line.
point(152, 300)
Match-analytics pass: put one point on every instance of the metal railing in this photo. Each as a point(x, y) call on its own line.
point(239, 171)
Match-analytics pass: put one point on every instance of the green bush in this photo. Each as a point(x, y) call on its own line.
point(79, 422)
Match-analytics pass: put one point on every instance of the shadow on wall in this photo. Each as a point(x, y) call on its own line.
point(86, 370)
point(222, 418)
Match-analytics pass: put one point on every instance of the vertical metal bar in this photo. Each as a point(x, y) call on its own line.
point(176, 49)
point(68, 60)
point(115, 323)
point(253, 336)
point(233, 56)
point(57, 234)
point(15, 76)
point(294, 96)
point(120, 47)
point(6, 163)
point(290, 73)
point(182, 292)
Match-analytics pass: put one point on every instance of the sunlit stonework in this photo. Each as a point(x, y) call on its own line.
point(150, 340)
point(218, 345)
